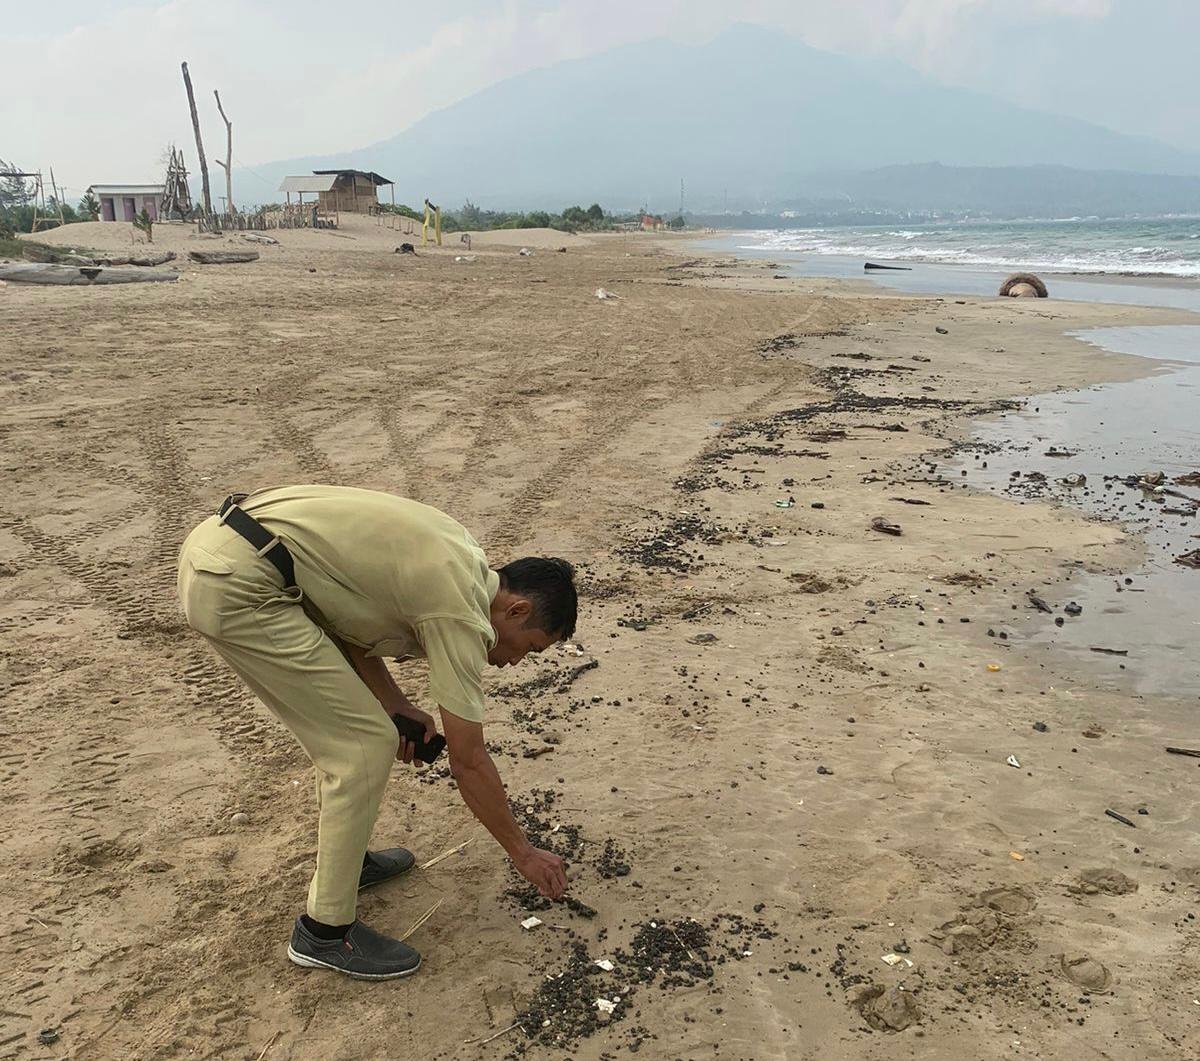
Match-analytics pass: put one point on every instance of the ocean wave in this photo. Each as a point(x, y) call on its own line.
point(1097, 252)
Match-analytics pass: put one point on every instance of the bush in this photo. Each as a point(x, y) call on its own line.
point(143, 224)
point(402, 211)
point(571, 219)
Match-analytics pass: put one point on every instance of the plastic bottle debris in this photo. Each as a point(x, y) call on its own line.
point(525, 252)
point(784, 502)
point(604, 964)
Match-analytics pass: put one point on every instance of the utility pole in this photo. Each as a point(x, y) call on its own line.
point(187, 81)
point(681, 197)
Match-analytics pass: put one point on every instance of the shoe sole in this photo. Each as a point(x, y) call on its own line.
point(306, 962)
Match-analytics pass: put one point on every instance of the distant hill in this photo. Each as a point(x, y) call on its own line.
point(750, 115)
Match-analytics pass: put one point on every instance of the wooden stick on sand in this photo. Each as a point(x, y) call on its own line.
point(502, 1031)
point(270, 1043)
point(422, 919)
point(445, 854)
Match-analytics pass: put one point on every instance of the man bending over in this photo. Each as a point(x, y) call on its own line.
point(303, 591)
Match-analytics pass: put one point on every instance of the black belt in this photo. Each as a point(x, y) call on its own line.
point(268, 545)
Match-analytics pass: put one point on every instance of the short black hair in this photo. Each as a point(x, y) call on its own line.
point(549, 583)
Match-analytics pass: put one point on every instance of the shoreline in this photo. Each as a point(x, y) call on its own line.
point(963, 435)
point(791, 740)
point(1190, 282)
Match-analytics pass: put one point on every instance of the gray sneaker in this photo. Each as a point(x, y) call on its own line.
point(363, 953)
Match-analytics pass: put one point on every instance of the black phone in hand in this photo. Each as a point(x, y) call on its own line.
point(414, 732)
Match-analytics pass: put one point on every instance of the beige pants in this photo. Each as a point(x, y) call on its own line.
point(237, 601)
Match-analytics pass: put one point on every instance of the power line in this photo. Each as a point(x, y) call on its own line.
point(243, 165)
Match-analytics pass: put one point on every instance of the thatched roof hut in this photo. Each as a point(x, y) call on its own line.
point(1023, 285)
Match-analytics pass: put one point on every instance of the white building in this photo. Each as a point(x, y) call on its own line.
point(123, 202)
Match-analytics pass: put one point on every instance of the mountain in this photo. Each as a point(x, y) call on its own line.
point(748, 115)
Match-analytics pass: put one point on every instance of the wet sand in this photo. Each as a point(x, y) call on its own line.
point(1116, 433)
point(776, 755)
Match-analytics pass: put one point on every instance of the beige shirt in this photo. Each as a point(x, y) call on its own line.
point(392, 576)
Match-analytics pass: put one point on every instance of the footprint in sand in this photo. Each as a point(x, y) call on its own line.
point(1108, 881)
point(982, 925)
point(1010, 901)
point(1189, 875)
point(888, 1009)
point(1085, 972)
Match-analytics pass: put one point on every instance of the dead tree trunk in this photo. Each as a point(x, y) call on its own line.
point(82, 275)
point(187, 80)
point(228, 154)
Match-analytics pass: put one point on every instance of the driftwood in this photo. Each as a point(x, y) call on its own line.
point(254, 237)
point(144, 260)
point(222, 257)
point(37, 254)
point(80, 275)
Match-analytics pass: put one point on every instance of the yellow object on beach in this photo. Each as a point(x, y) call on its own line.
point(993, 667)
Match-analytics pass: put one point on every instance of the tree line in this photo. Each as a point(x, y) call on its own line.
point(470, 218)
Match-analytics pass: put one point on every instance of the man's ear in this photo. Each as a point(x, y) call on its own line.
point(520, 609)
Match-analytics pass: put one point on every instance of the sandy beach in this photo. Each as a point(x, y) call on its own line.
point(784, 746)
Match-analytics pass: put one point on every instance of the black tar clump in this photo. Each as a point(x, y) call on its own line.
point(567, 1001)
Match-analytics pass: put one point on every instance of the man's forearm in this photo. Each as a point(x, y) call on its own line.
point(376, 677)
point(482, 790)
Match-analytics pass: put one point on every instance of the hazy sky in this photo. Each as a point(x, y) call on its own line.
point(93, 87)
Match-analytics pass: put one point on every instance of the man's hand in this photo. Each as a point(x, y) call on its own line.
point(481, 789)
point(544, 870)
point(408, 748)
point(378, 679)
